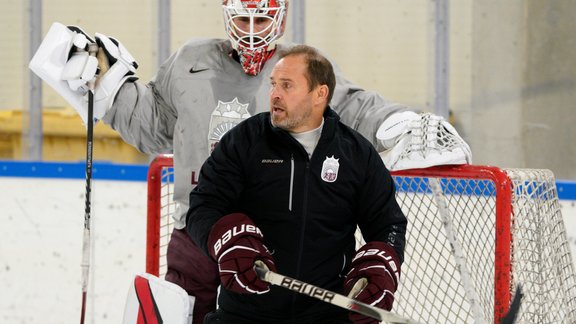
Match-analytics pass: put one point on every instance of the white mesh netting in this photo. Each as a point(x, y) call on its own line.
point(432, 289)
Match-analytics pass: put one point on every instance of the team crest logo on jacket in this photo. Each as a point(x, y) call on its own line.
point(330, 169)
point(224, 118)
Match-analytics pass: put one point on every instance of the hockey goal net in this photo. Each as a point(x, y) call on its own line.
point(474, 234)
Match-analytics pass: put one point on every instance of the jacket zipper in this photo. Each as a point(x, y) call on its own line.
point(302, 227)
point(291, 183)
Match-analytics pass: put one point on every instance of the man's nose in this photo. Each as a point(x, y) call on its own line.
point(259, 27)
point(274, 94)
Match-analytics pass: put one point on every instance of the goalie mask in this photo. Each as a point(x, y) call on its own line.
point(253, 27)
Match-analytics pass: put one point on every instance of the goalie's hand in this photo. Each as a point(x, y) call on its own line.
point(419, 141)
point(115, 66)
point(81, 67)
point(377, 263)
point(236, 243)
point(64, 62)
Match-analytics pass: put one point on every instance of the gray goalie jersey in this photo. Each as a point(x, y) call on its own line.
point(200, 93)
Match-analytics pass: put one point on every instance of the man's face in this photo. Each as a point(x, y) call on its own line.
point(260, 23)
point(291, 101)
point(262, 28)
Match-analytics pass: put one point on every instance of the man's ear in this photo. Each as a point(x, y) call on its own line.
point(322, 93)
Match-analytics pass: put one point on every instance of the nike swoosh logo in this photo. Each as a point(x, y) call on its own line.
point(196, 71)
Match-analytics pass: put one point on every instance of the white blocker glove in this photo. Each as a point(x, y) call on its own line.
point(62, 61)
point(82, 66)
point(116, 66)
point(419, 141)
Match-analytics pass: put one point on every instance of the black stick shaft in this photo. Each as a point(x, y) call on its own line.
point(93, 48)
point(89, 149)
point(87, 207)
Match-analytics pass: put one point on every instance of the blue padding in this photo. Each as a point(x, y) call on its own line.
point(452, 186)
point(138, 172)
point(73, 170)
point(566, 189)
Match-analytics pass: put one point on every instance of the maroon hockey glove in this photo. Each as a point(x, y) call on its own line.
point(236, 243)
point(377, 262)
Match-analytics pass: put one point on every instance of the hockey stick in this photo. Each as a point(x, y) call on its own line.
point(457, 250)
point(510, 317)
point(85, 265)
point(327, 296)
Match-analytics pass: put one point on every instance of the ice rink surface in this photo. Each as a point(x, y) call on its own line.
point(41, 226)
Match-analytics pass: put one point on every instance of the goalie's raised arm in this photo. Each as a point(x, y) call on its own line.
point(63, 62)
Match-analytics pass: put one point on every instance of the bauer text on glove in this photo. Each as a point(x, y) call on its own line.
point(378, 263)
point(236, 243)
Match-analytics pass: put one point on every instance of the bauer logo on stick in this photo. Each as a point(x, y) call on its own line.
point(307, 289)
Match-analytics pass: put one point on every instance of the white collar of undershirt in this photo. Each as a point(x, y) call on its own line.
point(309, 139)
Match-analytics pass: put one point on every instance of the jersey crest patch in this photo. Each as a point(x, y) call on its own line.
point(330, 169)
point(224, 118)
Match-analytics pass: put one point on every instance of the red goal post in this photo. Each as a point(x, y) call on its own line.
point(475, 232)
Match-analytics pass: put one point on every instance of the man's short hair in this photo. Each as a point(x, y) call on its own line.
point(320, 70)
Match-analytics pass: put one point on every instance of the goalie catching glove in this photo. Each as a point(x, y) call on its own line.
point(62, 61)
point(378, 264)
point(416, 141)
point(236, 243)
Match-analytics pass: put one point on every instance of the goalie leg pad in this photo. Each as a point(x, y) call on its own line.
point(153, 300)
